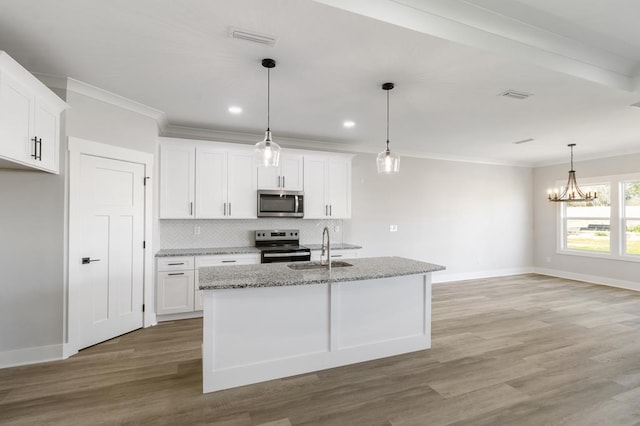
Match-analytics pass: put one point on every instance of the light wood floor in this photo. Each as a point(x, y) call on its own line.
point(522, 350)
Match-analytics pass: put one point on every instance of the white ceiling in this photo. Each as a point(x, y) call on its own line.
point(449, 60)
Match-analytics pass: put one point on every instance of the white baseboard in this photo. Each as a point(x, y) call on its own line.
point(593, 279)
point(26, 356)
point(443, 277)
point(174, 317)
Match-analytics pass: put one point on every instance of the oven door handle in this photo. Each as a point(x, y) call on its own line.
point(291, 254)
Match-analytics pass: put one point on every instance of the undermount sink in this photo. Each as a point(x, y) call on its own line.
point(317, 265)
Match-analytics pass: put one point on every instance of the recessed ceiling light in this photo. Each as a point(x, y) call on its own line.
point(235, 110)
point(349, 124)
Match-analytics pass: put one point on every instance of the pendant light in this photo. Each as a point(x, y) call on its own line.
point(268, 152)
point(388, 162)
point(571, 192)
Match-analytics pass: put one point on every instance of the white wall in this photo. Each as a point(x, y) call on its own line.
point(475, 219)
point(613, 272)
point(33, 232)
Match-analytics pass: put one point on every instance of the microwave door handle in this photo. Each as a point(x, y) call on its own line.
point(297, 204)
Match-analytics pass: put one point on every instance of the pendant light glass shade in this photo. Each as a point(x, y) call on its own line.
point(571, 192)
point(267, 152)
point(388, 162)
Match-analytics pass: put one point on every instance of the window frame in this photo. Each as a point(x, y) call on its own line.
point(617, 220)
point(624, 218)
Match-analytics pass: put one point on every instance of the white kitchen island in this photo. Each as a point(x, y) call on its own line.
point(263, 322)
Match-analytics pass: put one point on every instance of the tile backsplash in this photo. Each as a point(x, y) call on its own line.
point(178, 234)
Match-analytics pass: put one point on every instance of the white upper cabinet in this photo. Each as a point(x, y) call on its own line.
point(242, 199)
point(288, 175)
point(225, 184)
point(29, 120)
point(207, 181)
point(211, 183)
point(327, 187)
point(177, 181)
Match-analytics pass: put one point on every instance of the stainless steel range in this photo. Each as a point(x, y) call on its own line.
point(281, 246)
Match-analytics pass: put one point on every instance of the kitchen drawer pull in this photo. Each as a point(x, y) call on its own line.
point(177, 273)
point(175, 264)
point(229, 261)
point(336, 255)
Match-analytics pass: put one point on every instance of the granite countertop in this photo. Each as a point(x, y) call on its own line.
point(240, 250)
point(206, 251)
point(278, 274)
point(339, 246)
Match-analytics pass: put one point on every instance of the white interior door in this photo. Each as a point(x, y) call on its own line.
point(111, 272)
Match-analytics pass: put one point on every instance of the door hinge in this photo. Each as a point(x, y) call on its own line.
point(144, 244)
point(144, 180)
point(143, 307)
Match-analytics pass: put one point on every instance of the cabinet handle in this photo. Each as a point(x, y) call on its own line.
point(283, 181)
point(229, 209)
point(224, 213)
point(191, 208)
point(176, 273)
point(279, 181)
point(336, 255)
point(175, 264)
point(330, 210)
point(326, 210)
point(229, 261)
point(37, 148)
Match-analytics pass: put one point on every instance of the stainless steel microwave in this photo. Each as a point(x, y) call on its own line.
point(280, 203)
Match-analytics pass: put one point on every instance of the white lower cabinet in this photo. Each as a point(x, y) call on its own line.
point(178, 284)
point(335, 254)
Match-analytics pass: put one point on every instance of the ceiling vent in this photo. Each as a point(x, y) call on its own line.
point(523, 141)
point(265, 40)
point(513, 94)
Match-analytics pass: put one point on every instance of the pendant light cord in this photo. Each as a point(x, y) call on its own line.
point(387, 120)
point(268, 97)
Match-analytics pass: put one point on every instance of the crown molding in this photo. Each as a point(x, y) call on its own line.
point(69, 84)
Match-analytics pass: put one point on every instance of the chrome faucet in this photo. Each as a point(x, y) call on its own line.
point(325, 231)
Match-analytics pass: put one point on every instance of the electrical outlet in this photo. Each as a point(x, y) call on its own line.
point(196, 230)
point(393, 228)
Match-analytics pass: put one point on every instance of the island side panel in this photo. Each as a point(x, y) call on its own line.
point(258, 334)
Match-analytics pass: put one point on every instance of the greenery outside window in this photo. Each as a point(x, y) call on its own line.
point(587, 224)
point(608, 226)
point(631, 217)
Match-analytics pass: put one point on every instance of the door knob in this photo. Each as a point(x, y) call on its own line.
point(86, 260)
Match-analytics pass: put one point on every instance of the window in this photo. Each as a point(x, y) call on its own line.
point(631, 217)
point(587, 224)
point(608, 226)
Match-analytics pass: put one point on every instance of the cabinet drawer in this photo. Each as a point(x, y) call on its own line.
point(175, 263)
point(228, 259)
